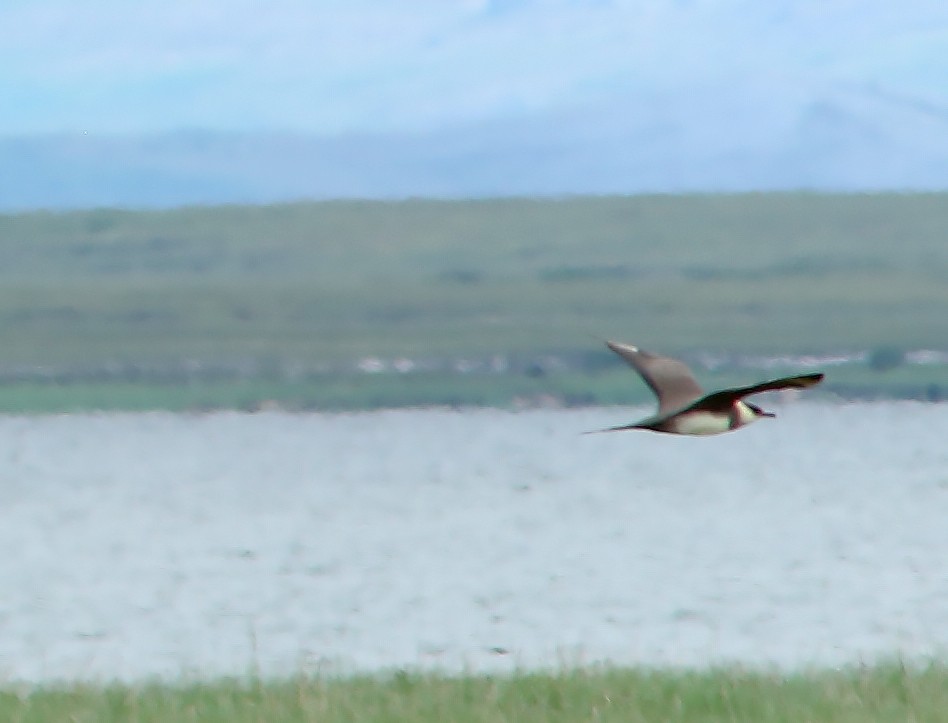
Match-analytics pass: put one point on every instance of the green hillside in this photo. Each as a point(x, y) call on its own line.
point(310, 288)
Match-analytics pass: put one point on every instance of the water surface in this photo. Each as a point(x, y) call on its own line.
point(158, 544)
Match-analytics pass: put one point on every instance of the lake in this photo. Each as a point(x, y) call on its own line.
point(142, 545)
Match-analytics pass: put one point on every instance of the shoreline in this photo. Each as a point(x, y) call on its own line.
point(371, 392)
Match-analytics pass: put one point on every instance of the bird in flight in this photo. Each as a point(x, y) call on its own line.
point(684, 408)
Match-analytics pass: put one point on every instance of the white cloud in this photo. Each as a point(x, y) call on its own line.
point(336, 66)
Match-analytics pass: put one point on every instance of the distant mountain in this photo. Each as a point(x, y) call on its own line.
point(841, 139)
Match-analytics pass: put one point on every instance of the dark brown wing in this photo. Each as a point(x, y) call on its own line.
point(799, 382)
point(670, 379)
point(728, 395)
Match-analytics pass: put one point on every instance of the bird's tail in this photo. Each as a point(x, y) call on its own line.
point(620, 428)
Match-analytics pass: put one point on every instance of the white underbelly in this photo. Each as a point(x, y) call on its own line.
point(700, 423)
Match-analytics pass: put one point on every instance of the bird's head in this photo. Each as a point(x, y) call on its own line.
point(758, 411)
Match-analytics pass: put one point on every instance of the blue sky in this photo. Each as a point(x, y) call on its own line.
point(340, 66)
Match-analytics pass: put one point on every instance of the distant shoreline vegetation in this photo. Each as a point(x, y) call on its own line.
point(373, 383)
point(366, 304)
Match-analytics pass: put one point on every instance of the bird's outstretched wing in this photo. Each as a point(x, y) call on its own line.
point(670, 379)
point(798, 382)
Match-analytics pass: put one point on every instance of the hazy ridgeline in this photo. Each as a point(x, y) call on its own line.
point(260, 292)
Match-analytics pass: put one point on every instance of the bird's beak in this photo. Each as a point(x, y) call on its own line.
point(767, 414)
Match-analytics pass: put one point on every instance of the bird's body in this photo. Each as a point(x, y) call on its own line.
point(684, 408)
point(702, 421)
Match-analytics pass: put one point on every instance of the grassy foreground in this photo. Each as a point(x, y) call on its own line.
point(889, 692)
